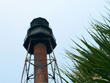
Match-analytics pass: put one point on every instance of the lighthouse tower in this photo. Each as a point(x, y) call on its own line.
point(39, 43)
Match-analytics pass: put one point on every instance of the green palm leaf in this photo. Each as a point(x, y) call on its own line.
point(93, 63)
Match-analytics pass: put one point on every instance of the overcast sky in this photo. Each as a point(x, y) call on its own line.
point(67, 18)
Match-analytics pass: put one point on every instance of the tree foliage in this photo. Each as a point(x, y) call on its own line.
point(93, 63)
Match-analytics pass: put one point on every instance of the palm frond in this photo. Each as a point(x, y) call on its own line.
point(93, 63)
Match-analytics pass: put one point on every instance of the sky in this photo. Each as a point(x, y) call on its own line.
point(67, 18)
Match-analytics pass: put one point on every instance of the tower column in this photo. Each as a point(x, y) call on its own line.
point(40, 62)
point(39, 33)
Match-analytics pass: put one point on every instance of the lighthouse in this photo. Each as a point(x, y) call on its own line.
point(39, 42)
